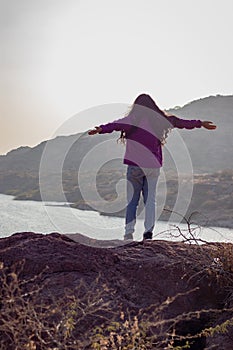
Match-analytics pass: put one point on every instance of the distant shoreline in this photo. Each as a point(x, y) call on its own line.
point(85, 207)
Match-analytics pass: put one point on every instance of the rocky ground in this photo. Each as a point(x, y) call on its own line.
point(135, 276)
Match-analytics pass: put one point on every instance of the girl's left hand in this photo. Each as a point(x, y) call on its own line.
point(208, 125)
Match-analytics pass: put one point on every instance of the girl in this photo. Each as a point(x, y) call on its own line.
point(144, 130)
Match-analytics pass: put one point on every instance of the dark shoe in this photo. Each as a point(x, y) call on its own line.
point(147, 235)
point(128, 237)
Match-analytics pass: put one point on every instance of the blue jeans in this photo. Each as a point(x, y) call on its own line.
point(141, 180)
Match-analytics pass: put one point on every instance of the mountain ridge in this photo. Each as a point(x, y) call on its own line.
point(215, 108)
point(210, 153)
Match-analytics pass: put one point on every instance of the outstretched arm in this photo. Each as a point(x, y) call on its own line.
point(117, 125)
point(190, 124)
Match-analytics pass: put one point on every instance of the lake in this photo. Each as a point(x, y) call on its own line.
point(39, 217)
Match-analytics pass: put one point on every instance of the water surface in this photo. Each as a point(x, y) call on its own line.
point(31, 216)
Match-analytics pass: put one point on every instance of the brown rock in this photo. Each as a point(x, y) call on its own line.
point(141, 274)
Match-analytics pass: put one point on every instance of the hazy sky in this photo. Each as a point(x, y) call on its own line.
point(59, 57)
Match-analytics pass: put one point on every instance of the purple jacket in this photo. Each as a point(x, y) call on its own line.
point(143, 147)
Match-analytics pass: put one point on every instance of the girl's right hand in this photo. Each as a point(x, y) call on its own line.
point(208, 125)
point(97, 130)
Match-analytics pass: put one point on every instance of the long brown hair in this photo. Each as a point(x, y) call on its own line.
point(160, 126)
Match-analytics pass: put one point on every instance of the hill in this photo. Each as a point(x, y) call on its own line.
point(24, 171)
point(216, 146)
point(209, 151)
